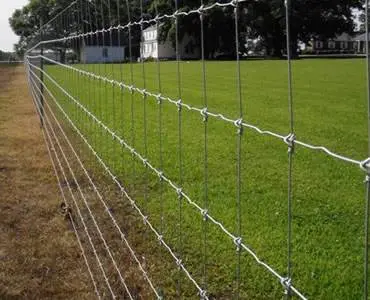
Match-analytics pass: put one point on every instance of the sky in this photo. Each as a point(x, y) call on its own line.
point(7, 37)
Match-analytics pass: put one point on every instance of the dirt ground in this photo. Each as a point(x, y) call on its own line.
point(39, 254)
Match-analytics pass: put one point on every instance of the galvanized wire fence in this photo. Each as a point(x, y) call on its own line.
point(104, 108)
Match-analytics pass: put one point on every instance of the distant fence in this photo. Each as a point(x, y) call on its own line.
point(135, 122)
point(5, 62)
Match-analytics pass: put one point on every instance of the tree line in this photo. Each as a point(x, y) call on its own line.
point(262, 19)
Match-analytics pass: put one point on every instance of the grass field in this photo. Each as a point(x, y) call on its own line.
point(330, 109)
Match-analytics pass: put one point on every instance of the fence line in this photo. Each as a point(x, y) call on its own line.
point(48, 124)
point(50, 149)
point(40, 81)
point(133, 203)
point(179, 191)
point(114, 221)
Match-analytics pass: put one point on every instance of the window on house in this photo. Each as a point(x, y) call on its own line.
point(105, 52)
point(343, 45)
point(331, 45)
point(319, 44)
point(154, 46)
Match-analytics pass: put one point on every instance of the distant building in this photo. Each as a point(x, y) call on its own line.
point(48, 53)
point(151, 47)
point(343, 43)
point(359, 42)
point(101, 50)
point(102, 54)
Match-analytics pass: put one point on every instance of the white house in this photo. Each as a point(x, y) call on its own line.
point(150, 47)
point(342, 43)
point(102, 54)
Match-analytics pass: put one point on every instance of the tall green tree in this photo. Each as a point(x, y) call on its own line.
point(218, 25)
point(308, 19)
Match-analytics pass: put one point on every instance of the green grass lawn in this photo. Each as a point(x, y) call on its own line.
point(330, 109)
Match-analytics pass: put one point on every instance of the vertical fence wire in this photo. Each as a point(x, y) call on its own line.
point(41, 76)
point(112, 53)
point(160, 138)
point(121, 110)
point(103, 85)
point(238, 153)
point(90, 87)
point(290, 142)
point(367, 204)
point(144, 98)
point(179, 108)
point(97, 86)
point(205, 121)
point(132, 129)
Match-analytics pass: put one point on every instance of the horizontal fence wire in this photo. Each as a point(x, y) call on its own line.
point(6, 62)
point(204, 113)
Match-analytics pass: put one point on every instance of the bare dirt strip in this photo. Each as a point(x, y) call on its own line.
point(39, 254)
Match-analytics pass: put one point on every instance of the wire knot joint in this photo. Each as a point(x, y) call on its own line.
point(365, 165)
point(203, 294)
point(239, 123)
point(179, 104)
point(204, 113)
point(179, 193)
point(286, 283)
point(159, 98)
point(204, 213)
point(145, 162)
point(160, 239)
point(238, 243)
point(289, 140)
point(179, 263)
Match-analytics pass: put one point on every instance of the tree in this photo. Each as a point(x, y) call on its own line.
point(308, 19)
point(218, 25)
point(362, 21)
point(263, 18)
point(83, 16)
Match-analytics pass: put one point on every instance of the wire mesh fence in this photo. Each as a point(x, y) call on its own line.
point(173, 174)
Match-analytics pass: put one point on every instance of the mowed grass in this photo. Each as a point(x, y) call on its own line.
point(330, 109)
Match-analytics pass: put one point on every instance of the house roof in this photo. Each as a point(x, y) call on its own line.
point(150, 28)
point(153, 27)
point(360, 37)
point(344, 37)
